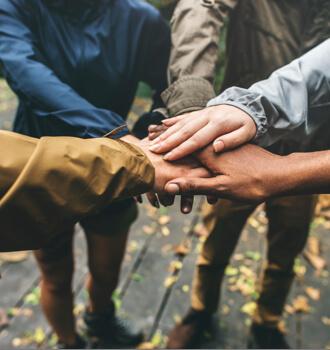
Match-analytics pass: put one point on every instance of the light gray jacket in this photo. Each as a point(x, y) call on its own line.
point(293, 104)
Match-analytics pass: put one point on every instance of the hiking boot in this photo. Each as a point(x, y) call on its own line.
point(188, 334)
point(264, 337)
point(80, 343)
point(109, 328)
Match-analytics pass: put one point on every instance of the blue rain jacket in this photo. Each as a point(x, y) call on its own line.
point(76, 64)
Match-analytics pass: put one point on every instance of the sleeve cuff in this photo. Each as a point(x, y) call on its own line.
point(187, 94)
point(252, 103)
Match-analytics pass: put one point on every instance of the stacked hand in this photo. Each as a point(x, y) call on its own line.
point(237, 172)
point(167, 171)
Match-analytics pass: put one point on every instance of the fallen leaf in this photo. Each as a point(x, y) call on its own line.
point(326, 321)
point(300, 304)
point(4, 321)
point(33, 297)
point(255, 256)
point(165, 231)
point(14, 257)
point(182, 249)
point(137, 277)
point(148, 230)
point(157, 339)
point(225, 310)
point(132, 246)
point(185, 288)
point(146, 346)
point(175, 266)
point(231, 271)
point(200, 230)
point(39, 336)
point(177, 318)
point(313, 293)
point(316, 261)
point(238, 257)
point(249, 308)
point(289, 309)
point(164, 219)
point(169, 281)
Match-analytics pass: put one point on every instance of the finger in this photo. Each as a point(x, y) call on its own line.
point(153, 200)
point(200, 139)
point(157, 128)
point(138, 199)
point(166, 199)
point(232, 140)
point(212, 200)
point(187, 203)
point(186, 131)
point(153, 135)
point(171, 121)
point(189, 186)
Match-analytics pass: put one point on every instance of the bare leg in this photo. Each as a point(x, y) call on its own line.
point(56, 266)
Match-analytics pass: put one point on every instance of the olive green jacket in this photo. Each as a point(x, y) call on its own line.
point(262, 35)
point(49, 183)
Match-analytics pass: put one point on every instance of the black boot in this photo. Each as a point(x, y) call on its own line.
point(188, 334)
point(109, 328)
point(80, 343)
point(263, 337)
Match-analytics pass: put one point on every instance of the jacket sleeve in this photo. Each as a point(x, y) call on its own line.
point(53, 101)
point(49, 183)
point(295, 98)
point(196, 29)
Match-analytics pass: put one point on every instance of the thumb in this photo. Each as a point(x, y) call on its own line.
point(193, 185)
point(231, 140)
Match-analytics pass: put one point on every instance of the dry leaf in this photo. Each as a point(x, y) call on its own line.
point(164, 219)
point(185, 288)
point(4, 321)
point(146, 346)
point(175, 266)
point(225, 310)
point(313, 293)
point(165, 231)
point(249, 308)
point(200, 230)
point(316, 261)
point(132, 246)
point(300, 304)
point(170, 281)
point(182, 249)
point(289, 309)
point(326, 321)
point(148, 230)
point(14, 257)
point(313, 245)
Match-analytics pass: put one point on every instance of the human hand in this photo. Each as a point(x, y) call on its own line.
point(248, 173)
point(166, 171)
point(225, 126)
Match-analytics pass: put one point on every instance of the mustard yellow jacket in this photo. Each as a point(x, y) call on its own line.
point(49, 183)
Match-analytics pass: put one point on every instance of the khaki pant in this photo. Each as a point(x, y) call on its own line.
point(289, 220)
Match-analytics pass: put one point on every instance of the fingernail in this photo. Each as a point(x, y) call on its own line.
point(186, 210)
point(154, 148)
point(168, 156)
point(173, 188)
point(218, 146)
point(156, 140)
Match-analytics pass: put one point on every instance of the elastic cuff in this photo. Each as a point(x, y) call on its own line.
point(252, 103)
point(187, 94)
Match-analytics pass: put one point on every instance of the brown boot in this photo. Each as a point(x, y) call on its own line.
point(189, 332)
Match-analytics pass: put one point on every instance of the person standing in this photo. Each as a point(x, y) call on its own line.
point(75, 66)
point(262, 36)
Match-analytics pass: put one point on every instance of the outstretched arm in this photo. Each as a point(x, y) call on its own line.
point(49, 183)
point(253, 174)
point(54, 102)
